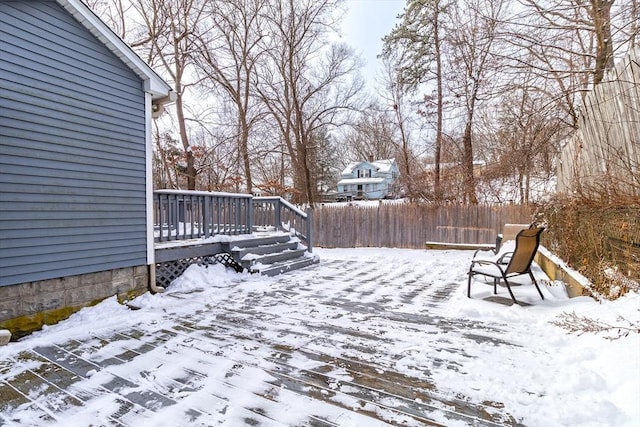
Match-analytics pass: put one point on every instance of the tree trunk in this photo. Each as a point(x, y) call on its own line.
point(601, 14)
point(405, 146)
point(437, 190)
point(469, 181)
point(188, 153)
point(244, 152)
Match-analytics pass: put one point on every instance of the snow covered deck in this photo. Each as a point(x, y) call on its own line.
point(367, 338)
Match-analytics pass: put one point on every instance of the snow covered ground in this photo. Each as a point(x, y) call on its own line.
point(368, 337)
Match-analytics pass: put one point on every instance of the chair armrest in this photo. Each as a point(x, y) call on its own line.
point(486, 267)
point(484, 261)
point(505, 258)
point(483, 250)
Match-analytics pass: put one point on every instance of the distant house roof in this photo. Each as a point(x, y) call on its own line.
point(153, 83)
point(382, 166)
point(350, 167)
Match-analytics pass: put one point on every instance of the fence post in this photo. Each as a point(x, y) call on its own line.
point(250, 215)
point(236, 220)
point(159, 218)
point(173, 215)
point(206, 217)
point(277, 208)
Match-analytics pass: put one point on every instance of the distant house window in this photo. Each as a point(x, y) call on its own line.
point(364, 173)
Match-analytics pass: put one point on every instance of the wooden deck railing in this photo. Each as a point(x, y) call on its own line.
point(182, 215)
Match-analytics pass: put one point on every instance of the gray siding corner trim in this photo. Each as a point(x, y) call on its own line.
point(151, 255)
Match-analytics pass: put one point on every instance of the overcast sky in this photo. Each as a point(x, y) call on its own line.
point(364, 25)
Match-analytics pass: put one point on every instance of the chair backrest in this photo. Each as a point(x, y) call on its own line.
point(527, 242)
point(510, 231)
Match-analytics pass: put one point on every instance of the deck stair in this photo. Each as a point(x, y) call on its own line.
point(272, 255)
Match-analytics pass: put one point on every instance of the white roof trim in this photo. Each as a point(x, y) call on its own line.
point(361, 181)
point(153, 83)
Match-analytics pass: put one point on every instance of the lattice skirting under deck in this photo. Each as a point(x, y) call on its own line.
point(166, 272)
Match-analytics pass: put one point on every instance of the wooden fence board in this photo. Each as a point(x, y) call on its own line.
point(606, 146)
point(412, 225)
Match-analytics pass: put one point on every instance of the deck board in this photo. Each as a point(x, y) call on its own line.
point(317, 340)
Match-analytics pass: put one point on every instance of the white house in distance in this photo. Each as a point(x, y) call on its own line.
point(369, 180)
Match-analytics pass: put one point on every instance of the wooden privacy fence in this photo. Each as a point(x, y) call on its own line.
point(412, 225)
point(605, 149)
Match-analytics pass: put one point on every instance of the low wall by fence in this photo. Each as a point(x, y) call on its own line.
point(412, 225)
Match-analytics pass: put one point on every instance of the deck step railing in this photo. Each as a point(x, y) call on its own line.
point(183, 215)
point(281, 215)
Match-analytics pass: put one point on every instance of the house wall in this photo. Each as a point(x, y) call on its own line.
point(369, 190)
point(72, 150)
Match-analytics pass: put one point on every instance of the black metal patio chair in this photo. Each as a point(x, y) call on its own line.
point(527, 242)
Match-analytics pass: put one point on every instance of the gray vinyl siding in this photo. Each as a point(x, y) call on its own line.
point(72, 149)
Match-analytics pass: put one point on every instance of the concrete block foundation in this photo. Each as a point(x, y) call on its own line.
point(26, 307)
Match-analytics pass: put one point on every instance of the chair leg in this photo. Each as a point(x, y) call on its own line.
point(469, 284)
point(536, 284)
point(506, 282)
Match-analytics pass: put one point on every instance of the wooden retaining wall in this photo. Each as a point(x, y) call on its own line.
point(412, 225)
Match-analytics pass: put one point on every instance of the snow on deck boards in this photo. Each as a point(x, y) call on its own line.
point(327, 346)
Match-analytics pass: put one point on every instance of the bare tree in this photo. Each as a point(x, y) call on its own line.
point(570, 43)
point(371, 136)
point(630, 30)
point(587, 22)
point(518, 140)
point(415, 47)
point(472, 75)
point(600, 12)
point(215, 153)
point(165, 162)
point(306, 84)
point(402, 113)
point(163, 33)
point(170, 32)
point(114, 14)
point(230, 48)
